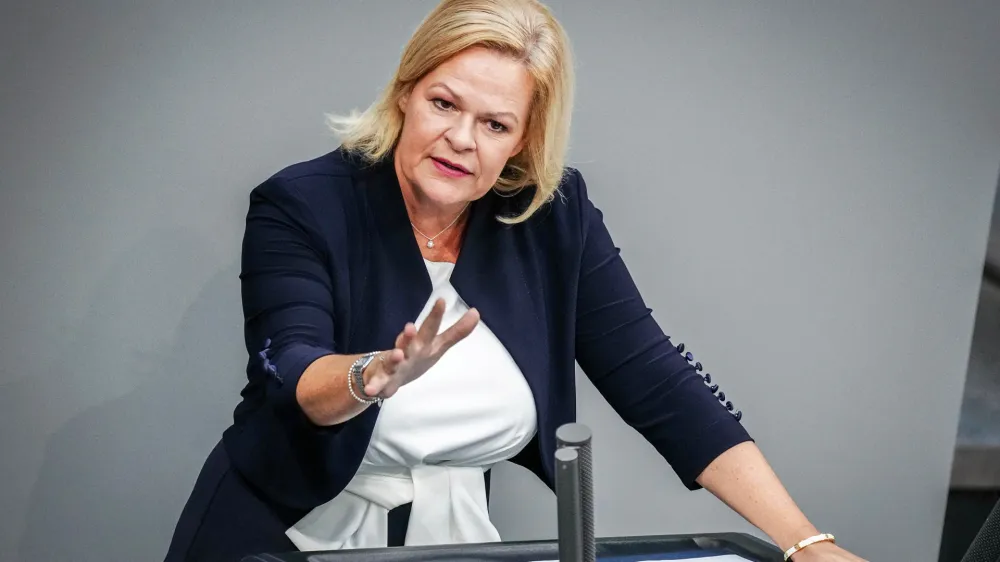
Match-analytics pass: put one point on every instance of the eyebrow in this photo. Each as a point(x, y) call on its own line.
point(490, 114)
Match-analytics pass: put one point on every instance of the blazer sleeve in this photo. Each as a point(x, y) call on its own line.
point(287, 296)
point(289, 322)
point(643, 376)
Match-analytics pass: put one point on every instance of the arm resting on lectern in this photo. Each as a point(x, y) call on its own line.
point(744, 481)
point(634, 365)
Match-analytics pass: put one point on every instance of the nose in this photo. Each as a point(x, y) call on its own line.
point(461, 135)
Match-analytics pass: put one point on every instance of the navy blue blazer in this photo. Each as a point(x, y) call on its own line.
point(330, 265)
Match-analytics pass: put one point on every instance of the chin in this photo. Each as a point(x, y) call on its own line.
point(446, 192)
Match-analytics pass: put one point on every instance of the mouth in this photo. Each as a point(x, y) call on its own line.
point(448, 164)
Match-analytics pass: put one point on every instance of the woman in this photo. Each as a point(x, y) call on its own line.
point(415, 302)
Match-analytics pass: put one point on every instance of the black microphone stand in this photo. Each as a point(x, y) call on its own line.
point(575, 493)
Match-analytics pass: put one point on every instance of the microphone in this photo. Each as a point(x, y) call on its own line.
point(577, 437)
point(569, 514)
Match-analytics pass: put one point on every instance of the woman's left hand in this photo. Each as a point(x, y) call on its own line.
point(824, 552)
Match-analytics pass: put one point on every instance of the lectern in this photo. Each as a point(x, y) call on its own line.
point(574, 486)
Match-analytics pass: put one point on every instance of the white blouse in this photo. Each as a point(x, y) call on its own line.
point(432, 442)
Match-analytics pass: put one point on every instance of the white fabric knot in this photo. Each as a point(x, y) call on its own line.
point(449, 506)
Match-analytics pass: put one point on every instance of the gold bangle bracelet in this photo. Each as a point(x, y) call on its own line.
point(806, 542)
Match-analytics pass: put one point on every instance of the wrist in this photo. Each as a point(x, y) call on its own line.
point(356, 380)
point(373, 377)
point(813, 552)
point(791, 536)
point(814, 547)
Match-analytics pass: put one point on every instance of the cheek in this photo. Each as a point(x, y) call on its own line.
point(424, 128)
point(498, 153)
point(413, 141)
point(493, 156)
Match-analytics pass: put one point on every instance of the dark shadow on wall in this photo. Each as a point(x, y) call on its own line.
point(114, 478)
point(975, 476)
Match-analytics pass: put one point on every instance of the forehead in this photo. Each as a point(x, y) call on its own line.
point(490, 80)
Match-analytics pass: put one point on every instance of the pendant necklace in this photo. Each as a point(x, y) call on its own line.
point(430, 239)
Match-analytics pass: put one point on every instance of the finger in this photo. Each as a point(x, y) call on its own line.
point(394, 358)
point(372, 389)
point(459, 330)
point(406, 336)
point(432, 323)
point(390, 360)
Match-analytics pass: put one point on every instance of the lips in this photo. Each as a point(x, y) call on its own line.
point(451, 165)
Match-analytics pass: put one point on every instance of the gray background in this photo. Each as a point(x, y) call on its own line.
point(802, 190)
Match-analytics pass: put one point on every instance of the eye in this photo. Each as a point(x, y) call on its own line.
point(443, 104)
point(496, 126)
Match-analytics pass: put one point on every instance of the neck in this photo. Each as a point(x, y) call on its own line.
point(429, 216)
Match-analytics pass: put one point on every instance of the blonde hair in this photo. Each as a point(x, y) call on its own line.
point(523, 29)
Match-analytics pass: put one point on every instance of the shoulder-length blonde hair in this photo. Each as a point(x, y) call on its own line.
point(523, 29)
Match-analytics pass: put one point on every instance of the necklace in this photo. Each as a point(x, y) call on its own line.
point(430, 239)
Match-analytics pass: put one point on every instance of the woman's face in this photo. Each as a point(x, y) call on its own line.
point(462, 122)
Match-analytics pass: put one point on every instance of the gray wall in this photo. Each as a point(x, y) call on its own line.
point(802, 190)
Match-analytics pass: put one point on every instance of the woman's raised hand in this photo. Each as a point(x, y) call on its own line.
point(416, 351)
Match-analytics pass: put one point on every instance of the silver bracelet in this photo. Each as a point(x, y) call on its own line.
point(355, 377)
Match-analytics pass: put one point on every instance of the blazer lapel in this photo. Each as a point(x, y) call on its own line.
point(494, 275)
point(398, 283)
